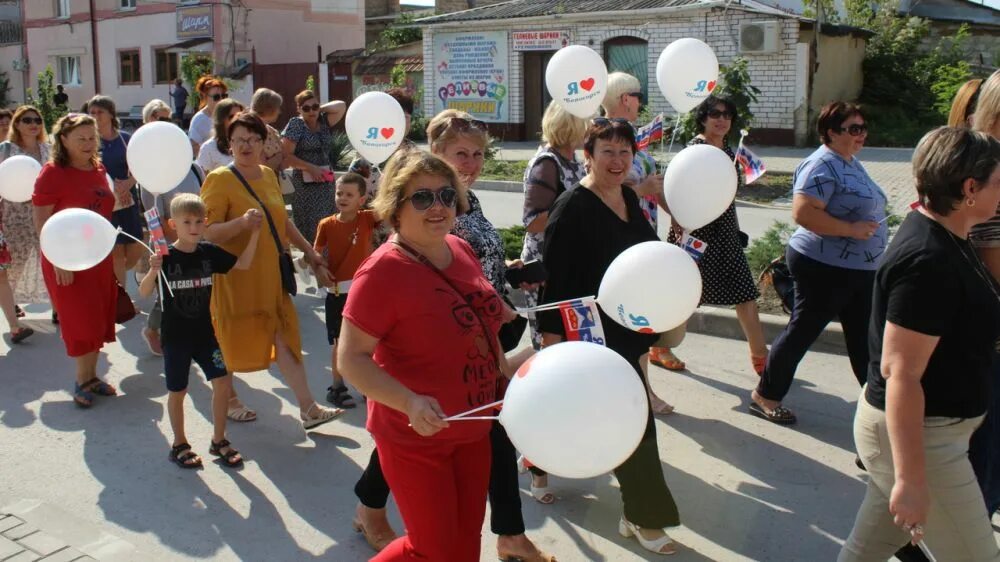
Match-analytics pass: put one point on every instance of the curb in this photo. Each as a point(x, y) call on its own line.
point(500, 185)
point(722, 323)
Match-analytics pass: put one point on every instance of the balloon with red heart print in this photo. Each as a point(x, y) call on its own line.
point(687, 72)
point(651, 287)
point(699, 185)
point(577, 79)
point(375, 125)
point(569, 397)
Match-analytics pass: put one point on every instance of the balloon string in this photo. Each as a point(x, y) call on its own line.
point(927, 552)
point(471, 418)
point(553, 305)
point(162, 276)
point(673, 134)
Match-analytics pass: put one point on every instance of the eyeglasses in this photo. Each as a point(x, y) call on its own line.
point(636, 95)
point(423, 199)
point(249, 141)
point(853, 130)
point(460, 124)
point(716, 114)
point(32, 120)
point(217, 97)
point(310, 108)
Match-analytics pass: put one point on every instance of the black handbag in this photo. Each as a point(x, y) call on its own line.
point(285, 266)
point(780, 277)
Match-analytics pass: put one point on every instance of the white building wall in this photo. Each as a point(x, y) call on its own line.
point(143, 33)
point(774, 73)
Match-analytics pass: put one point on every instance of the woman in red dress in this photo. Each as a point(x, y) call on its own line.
point(84, 300)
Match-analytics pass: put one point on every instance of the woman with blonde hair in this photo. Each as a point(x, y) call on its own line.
point(85, 300)
point(963, 107)
point(21, 278)
point(215, 152)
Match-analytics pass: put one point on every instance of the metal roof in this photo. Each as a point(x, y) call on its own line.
point(377, 64)
point(541, 8)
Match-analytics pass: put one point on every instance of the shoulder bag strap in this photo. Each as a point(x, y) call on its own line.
point(486, 332)
point(263, 207)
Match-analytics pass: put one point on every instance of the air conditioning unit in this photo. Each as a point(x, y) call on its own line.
point(760, 37)
point(20, 65)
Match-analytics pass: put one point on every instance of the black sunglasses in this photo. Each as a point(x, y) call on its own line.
point(853, 130)
point(423, 199)
point(715, 114)
point(311, 107)
point(636, 95)
point(217, 97)
point(32, 120)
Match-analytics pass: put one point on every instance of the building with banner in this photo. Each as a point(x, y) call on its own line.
point(491, 60)
point(140, 44)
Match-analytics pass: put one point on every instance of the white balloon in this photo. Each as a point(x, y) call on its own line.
point(77, 239)
point(159, 156)
point(376, 125)
point(687, 72)
point(699, 185)
point(651, 287)
point(576, 409)
point(577, 79)
point(17, 178)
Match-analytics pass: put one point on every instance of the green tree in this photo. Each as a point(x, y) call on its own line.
point(810, 9)
point(735, 85)
point(193, 67)
point(311, 84)
point(397, 76)
point(43, 98)
point(4, 89)
point(399, 32)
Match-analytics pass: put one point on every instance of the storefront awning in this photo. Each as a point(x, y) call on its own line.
point(189, 43)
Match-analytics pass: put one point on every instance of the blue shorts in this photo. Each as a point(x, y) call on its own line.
point(129, 220)
point(177, 357)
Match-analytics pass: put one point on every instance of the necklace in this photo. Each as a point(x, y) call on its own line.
point(977, 265)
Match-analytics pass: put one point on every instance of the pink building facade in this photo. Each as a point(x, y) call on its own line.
point(140, 44)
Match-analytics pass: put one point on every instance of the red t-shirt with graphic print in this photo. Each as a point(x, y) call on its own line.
point(429, 339)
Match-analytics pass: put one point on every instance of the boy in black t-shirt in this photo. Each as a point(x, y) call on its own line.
point(186, 327)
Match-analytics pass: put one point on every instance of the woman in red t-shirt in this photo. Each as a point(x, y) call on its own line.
point(84, 300)
point(424, 350)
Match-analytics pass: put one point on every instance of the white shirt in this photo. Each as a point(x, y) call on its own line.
point(210, 158)
point(201, 128)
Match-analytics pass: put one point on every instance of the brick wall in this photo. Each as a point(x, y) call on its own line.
point(774, 74)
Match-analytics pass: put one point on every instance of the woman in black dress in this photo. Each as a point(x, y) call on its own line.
point(725, 274)
point(589, 226)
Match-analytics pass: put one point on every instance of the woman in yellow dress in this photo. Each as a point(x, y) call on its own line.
point(255, 319)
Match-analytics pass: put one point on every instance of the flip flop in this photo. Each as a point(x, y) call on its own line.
point(779, 415)
point(21, 334)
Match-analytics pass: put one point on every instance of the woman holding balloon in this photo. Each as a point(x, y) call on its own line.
point(589, 226)
point(86, 299)
point(833, 256)
point(725, 273)
point(21, 279)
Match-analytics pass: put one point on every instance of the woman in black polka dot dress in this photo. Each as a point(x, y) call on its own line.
point(725, 273)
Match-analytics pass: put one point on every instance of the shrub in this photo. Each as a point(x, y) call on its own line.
point(340, 151)
point(513, 240)
point(193, 67)
point(735, 84)
point(768, 247)
point(42, 98)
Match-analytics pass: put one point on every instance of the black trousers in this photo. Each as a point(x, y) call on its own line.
point(822, 293)
point(505, 493)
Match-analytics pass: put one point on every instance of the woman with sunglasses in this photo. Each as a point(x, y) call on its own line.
point(461, 142)
point(211, 91)
point(622, 103)
point(255, 319)
point(215, 152)
point(85, 300)
point(21, 279)
point(306, 141)
point(833, 256)
point(409, 349)
point(725, 273)
point(154, 112)
point(589, 226)
point(127, 216)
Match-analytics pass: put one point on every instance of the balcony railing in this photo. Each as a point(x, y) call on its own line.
point(11, 32)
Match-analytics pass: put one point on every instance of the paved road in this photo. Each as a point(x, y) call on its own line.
point(748, 490)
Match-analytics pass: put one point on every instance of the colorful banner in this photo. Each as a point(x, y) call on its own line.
point(471, 73)
point(753, 167)
point(582, 321)
point(653, 132)
point(156, 237)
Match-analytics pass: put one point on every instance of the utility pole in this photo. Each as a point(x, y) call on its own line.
point(93, 47)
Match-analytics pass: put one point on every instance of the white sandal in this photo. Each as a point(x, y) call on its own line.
point(629, 530)
point(538, 493)
point(326, 415)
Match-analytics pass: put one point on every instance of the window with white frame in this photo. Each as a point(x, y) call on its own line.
point(68, 70)
point(126, 4)
point(62, 8)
